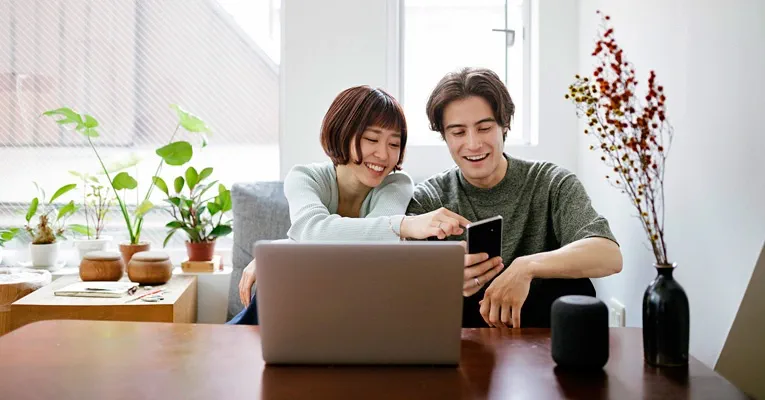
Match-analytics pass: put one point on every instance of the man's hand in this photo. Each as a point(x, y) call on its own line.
point(479, 270)
point(245, 284)
point(502, 302)
point(439, 223)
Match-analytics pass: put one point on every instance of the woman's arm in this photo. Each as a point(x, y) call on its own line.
point(312, 221)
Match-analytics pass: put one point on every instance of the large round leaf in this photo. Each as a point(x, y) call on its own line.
point(123, 180)
point(176, 153)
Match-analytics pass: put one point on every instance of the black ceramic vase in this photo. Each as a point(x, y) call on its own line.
point(666, 321)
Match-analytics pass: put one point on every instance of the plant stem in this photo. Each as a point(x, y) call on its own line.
point(139, 221)
point(116, 194)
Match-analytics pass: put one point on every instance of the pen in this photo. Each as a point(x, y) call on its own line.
point(144, 295)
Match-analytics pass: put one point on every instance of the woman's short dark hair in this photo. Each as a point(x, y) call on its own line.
point(469, 82)
point(353, 111)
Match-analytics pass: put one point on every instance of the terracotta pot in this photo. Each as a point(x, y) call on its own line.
point(127, 250)
point(203, 251)
point(150, 268)
point(101, 266)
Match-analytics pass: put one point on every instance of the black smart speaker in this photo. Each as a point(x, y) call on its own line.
point(579, 332)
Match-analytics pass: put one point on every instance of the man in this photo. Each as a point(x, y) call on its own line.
point(553, 240)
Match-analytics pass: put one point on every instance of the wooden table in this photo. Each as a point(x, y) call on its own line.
point(133, 360)
point(179, 304)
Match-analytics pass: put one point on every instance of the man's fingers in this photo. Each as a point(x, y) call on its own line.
point(472, 259)
point(506, 315)
point(494, 320)
point(516, 316)
point(485, 308)
point(482, 268)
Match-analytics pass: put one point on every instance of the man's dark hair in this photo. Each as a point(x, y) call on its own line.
point(469, 82)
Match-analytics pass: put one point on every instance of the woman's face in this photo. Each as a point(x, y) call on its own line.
point(380, 151)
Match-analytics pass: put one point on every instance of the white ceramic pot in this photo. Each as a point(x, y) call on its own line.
point(85, 246)
point(44, 255)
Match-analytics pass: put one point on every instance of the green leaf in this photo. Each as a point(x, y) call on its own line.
point(178, 184)
point(61, 191)
point(160, 183)
point(167, 239)
point(221, 230)
point(224, 201)
point(66, 210)
point(176, 153)
point(189, 121)
point(8, 235)
point(90, 122)
point(213, 208)
point(205, 174)
point(174, 224)
point(32, 209)
point(143, 208)
point(68, 116)
point(123, 180)
point(81, 229)
point(192, 177)
point(176, 201)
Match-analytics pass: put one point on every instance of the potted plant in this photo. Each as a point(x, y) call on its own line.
point(634, 135)
point(6, 235)
point(175, 153)
point(200, 217)
point(97, 199)
point(50, 226)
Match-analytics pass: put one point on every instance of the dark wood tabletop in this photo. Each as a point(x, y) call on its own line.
point(142, 360)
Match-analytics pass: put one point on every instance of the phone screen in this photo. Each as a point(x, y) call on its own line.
point(485, 236)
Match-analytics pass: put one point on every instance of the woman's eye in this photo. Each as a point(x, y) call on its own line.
point(371, 140)
point(395, 145)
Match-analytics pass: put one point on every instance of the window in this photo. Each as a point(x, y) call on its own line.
point(445, 35)
point(125, 62)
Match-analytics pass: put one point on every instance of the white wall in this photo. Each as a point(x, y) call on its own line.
point(710, 57)
point(327, 46)
point(330, 45)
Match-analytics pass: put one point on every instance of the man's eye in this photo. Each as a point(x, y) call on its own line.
point(458, 133)
point(484, 129)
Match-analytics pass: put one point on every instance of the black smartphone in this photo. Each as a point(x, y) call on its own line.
point(485, 236)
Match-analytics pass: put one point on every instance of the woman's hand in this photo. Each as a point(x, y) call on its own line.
point(440, 223)
point(245, 284)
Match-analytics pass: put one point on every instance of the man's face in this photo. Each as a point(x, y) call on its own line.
point(475, 141)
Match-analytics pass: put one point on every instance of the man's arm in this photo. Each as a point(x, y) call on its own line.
point(593, 257)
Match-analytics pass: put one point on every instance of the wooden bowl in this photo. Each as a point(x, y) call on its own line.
point(101, 266)
point(150, 268)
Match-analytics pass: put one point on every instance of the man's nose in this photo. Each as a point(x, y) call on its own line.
point(473, 142)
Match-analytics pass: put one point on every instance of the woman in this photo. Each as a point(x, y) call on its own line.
point(361, 193)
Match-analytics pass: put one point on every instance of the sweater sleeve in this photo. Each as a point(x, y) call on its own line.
point(307, 195)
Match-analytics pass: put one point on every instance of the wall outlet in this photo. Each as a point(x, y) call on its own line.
point(617, 316)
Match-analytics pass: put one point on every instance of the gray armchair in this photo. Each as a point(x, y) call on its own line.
point(260, 213)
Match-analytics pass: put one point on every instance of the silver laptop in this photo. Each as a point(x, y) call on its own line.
point(360, 303)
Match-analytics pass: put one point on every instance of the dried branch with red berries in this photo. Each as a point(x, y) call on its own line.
point(632, 131)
